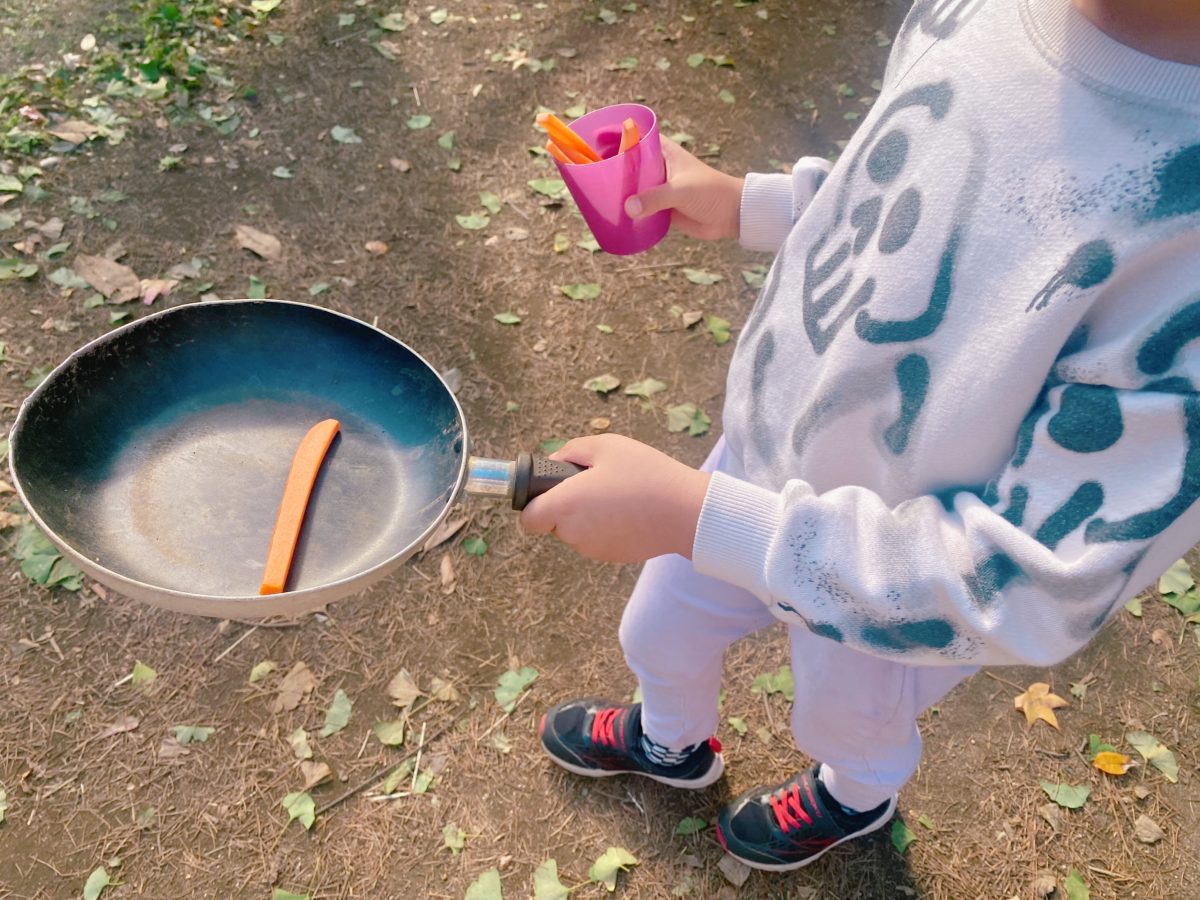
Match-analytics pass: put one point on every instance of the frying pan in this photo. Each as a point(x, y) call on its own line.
point(155, 456)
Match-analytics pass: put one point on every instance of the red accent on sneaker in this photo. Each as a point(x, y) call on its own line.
point(789, 809)
point(603, 727)
point(721, 839)
point(812, 801)
point(542, 725)
point(714, 745)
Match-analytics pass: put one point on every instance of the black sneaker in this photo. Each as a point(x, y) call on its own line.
point(599, 739)
point(792, 824)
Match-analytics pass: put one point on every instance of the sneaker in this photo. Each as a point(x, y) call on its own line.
point(599, 739)
point(792, 824)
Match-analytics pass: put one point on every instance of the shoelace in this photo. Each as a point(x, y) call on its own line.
point(788, 806)
point(604, 727)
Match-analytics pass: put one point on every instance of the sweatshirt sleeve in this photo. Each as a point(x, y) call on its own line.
point(772, 204)
point(1098, 498)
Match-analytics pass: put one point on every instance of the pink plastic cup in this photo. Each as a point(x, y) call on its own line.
point(601, 189)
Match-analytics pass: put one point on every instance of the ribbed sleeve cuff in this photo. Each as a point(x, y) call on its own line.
point(737, 522)
point(766, 211)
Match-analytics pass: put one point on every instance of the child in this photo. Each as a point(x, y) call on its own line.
point(962, 424)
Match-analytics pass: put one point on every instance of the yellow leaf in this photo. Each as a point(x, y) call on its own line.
point(1113, 763)
point(1038, 703)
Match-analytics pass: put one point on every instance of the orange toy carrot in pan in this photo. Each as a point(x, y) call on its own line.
point(566, 139)
point(301, 477)
point(629, 135)
point(554, 150)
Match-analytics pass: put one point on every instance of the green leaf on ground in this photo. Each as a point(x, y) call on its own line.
point(726, 97)
point(1134, 607)
point(507, 318)
point(925, 822)
point(546, 885)
point(1176, 579)
point(562, 242)
point(1075, 886)
point(337, 716)
point(299, 741)
point(142, 674)
point(398, 776)
point(699, 276)
point(257, 289)
point(604, 329)
point(344, 135)
point(95, 884)
point(418, 122)
point(902, 836)
point(473, 222)
point(602, 384)
point(391, 22)
point(1155, 753)
point(476, 546)
point(1066, 795)
point(588, 291)
point(589, 243)
point(454, 839)
point(11, 184)
point(281, 894)
point(390, 734)
point(486, 887)
point(300, 805)
point(319, 288)
point(1095, 745)
point(646, 388)
point(193, 734)
point(550, 445)
point(780, 682)
point(511, 684)
point(490, 202)
point(446, 140)
point(691, 825)
point(688, 417)
point(738, 724)
point(262, 670)
point(282, 172)
point(1187, 603)
point(695, 60)
point(719, 329)
point(755, 276)
point(16, 268)
point(439, 16)
point(550, 187)
point(609, 865)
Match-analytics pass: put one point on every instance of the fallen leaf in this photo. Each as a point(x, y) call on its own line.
point(1178, 579)
point(338, 714)
point(1065, 795)
point(476, 546)
point(738, 724)
point(1053, 814)
point(418, 122)
point(602, 384)
point(691, 825)
point(258, 242)
point(193, 734)
point(473, 222)
point(699, 276)
point(688, 417)
point(300, 805)
point(153, 288)
point(52, 228)
point(453, 839)
point(314, 773)
point(446, 574)
point(511, 684)
point(390, 734)
point(95, 884)
point(546, 885)
point(1075, 886)
point(613, 861)
point(1155, 753)
point(344, 135)
point(507, 318)
point(118, 283)
point(299, 741)
point(262, 670)
point(1146, 830)
point(122, 725)
point(549, 187)
point(281, 894)
point(377, 248)
point(170, 748)
point(297, 684)
point(142, 674)
point(646, 388)
point(485, 887)
point(588, 291)
point(3, 804)
point(1112, 763)
point(74, 131)
point(402, 689)
point(1038, 703)
point(442, 690)
point(735, 871)
point(902, 836)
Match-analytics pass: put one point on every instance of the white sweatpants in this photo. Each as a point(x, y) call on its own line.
point(853, 712)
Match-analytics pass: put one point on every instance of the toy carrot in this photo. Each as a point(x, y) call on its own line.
point(629, 135)
point(566, 139)
point(301, 477)
point(554, 150)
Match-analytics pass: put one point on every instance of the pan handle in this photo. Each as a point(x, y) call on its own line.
point(519, 481)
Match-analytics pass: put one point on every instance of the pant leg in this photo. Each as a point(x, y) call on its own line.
point(674, 632)
point(857, 714)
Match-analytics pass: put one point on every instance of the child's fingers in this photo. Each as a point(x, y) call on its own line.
point(580, 450)
point(647, 203)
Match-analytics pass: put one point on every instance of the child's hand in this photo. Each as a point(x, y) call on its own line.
point(632, 503)
point(704, 203)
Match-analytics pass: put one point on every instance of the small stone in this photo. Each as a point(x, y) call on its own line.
point(600, 425)
point(735, 871)
point(400, 165)
point(1044, 885)
point(1141, 792)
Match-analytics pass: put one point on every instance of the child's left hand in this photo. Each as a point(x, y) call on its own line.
point(631, 504)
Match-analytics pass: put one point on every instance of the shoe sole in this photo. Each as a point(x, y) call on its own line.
point(883, 819)
point(691, 784)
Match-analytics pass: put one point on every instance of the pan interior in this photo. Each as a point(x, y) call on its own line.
point(161, 453)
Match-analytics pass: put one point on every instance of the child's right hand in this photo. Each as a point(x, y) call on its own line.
point(704, 203)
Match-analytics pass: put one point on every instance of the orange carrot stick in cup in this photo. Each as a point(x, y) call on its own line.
point(554, 150)
point(630, 136)
point(301, 477)
point(566, 139)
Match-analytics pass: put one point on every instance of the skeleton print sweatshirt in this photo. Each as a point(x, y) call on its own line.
point(963, 420)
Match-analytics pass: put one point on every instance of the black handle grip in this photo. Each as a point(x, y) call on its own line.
point(536, 475)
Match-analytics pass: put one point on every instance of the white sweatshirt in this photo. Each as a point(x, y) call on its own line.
point(962, 421)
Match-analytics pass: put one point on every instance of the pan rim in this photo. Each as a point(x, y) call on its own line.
point(287, 603)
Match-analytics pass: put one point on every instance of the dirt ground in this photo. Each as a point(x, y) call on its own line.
point(207, 821)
